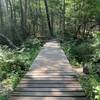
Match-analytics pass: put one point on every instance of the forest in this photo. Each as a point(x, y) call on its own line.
point(25, 25)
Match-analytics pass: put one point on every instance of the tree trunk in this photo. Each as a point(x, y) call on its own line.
point(52, 21)
point(22, 16)
point(12, 26)
point(26, 13)
point(48, 17)
point(9, 41)
point(1, 18)
point(64, 7)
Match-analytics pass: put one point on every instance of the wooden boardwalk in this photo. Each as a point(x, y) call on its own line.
point(50, 77)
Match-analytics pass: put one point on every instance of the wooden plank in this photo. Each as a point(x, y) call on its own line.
point(49, 94)
point(46, 76)
point(48, 98)
point(49, 89)
point(52, 84)
point(53, 78)
point(50, 78)
point(49, 85)
point(52, 73)
point(47, 82)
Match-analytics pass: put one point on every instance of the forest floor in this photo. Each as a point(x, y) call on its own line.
point(50, 77)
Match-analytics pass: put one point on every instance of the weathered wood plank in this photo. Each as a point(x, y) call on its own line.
point(39, 73)
point(49, 85)
point(48, 81)
point(49, 71)
point(49, 89)
point(50, 78)
point(53, 78)
point(49, 94)
point(48, 98)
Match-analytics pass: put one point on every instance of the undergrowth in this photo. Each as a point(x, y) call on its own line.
point(86, 53)
point(15, 63)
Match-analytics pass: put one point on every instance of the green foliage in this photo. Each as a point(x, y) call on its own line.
point(15, 63)
point(32, 43)
point(72, 20)
point(82, 52)
point(86, 51)
point(96, 59)
point(67, 47)
point(79, 53)
point(96, 68)
point(97, 92)
point(91, 86)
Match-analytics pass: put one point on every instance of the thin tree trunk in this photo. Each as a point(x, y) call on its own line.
point(14, 10)
point(48, 17)
point(11, 16)
point(64, 7)
point(41, 18)
point(9, 41)
point(26, 12)
point(52, 21)
point(1, 18)
point(22, 16)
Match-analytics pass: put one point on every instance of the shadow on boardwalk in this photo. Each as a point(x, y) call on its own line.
point(50, 78)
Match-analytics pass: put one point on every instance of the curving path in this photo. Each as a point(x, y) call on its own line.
point(50, 77)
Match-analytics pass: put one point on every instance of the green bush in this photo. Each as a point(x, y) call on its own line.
point(86, 51)
point(96, 68)
point(82, 52)
point(14, 63)
point(29, 43)
point(91, 86)
point(97, 92)
point(3, 75)
point(67, 47)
